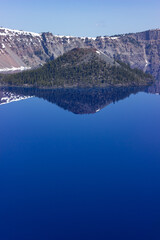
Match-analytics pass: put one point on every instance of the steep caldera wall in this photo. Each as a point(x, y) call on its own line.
point(21, 50)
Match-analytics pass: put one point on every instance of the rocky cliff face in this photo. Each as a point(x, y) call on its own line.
point(21, 50)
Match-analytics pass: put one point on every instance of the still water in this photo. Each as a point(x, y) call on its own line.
point(80, 164)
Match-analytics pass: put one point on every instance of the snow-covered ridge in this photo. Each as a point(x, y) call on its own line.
point(83, 38)
point(114, 38)
point(63, 36)
point(11, 32)
point(7, 31)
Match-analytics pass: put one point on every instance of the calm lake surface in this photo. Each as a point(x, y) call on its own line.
point(74, 165)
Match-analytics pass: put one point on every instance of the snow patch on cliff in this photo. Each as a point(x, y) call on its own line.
point(114, 38)
point(146, 60)
point(12, 69)
point(98, 52)
point(3, 46)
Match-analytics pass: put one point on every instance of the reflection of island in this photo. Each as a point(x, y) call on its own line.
point(77, 100)
point(87, 100)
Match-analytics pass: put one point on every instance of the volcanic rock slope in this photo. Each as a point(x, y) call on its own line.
point(21, 50)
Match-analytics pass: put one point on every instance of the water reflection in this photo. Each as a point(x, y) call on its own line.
point(155, 88)
point(76, 100)
point(8, 95)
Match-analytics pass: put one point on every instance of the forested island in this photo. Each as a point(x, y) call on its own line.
point(80, 67)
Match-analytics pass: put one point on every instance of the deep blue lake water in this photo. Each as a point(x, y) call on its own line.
point(80, 176)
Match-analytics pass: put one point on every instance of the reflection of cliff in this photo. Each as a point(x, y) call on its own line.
point(79, 100)
point(9, 96)
point(155, 88)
